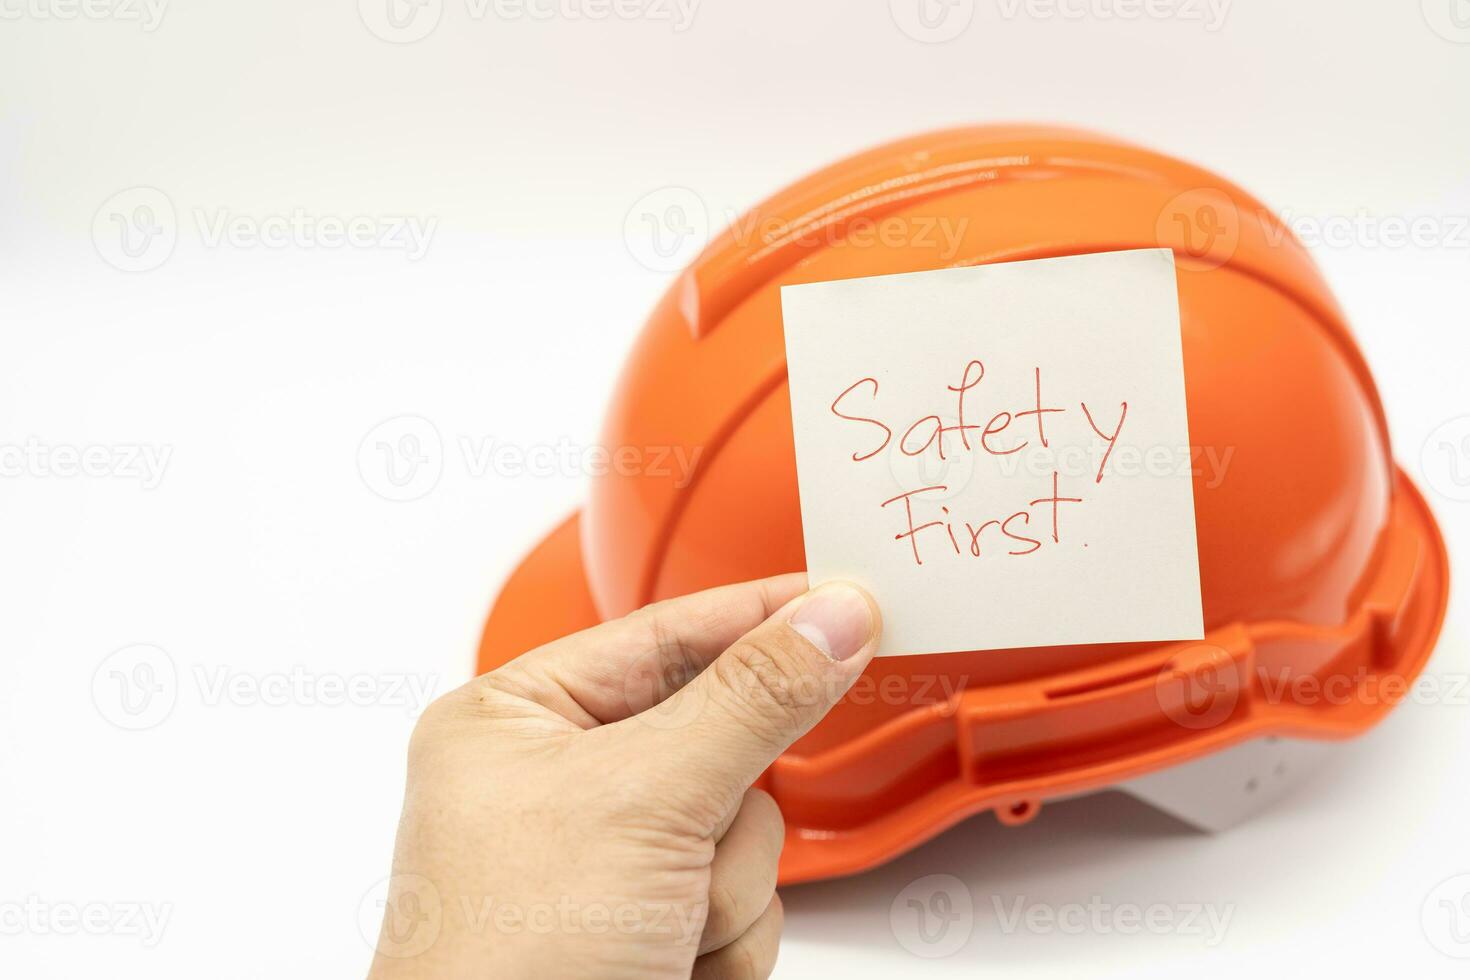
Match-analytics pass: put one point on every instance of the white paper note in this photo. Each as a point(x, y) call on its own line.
point(1000, 454)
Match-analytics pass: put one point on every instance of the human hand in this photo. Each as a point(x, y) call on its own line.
point(585, 809)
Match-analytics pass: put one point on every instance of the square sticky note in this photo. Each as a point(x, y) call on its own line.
point(1000, 453)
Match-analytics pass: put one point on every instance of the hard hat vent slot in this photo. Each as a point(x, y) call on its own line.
point(1123, 679)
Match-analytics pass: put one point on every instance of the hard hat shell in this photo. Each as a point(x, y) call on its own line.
point(1318, 559)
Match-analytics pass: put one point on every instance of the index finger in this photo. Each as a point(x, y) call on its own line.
point(628, 665)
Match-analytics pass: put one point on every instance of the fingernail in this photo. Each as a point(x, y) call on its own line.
point(836, 619)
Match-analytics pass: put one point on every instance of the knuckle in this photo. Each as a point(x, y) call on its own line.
point(750, 957)
point(757, 957)
point(430, 727)
point(746, 964)
point(766, 675)
point(767, 811)
point(722, 915)
point(670, 656)
point(499, 695)
point(766, 832)
point(489, 698)
point(678, 817)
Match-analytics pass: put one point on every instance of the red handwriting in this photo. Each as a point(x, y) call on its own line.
point(965, 385)
point(973, 535)
point(1039, 412)
point(932, 430)
point(1112, 439)
point(1054, 500)
point(887, 432)
point(908, 513)
point(1009, 531)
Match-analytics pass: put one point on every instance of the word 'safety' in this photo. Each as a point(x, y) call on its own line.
point(1000, 453)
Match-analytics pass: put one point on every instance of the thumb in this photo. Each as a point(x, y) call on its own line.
point(769, 688)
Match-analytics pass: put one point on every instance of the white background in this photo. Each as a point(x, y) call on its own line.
point(532, 144)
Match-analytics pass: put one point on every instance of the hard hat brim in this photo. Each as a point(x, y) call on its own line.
point(1390, 636)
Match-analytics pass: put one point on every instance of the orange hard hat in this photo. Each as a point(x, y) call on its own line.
point(1323, 574)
